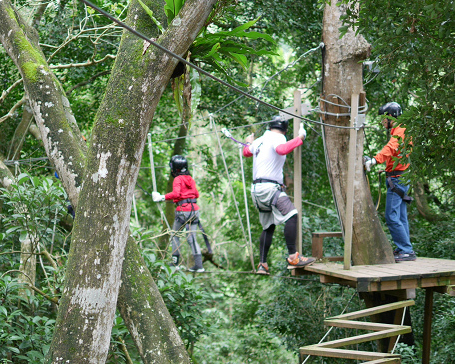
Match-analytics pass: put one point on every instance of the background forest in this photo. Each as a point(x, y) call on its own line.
point(227, 314)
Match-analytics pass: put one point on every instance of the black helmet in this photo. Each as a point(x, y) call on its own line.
point(179, 165)
point(278, 123)
point(391, 108)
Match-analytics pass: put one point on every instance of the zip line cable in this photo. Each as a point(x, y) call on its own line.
point(197, 68)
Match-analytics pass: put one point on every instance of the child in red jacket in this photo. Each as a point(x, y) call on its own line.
point(184, 194)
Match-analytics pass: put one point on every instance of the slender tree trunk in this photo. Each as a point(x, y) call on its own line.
point(100, 234)
point(342, 76)
point(27, 264)
point(422, 203)
point(6, 177)
point(20, 133)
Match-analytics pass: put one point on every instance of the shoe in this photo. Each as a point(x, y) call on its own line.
point(175, 262)
point(405, 257)
point(300, 261)
point(198, 268)
point(396, 252)
point(263, 269)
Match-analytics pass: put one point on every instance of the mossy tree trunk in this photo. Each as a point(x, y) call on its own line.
point(100, 183)
point(342, 76)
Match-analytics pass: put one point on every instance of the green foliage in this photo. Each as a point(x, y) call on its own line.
point(408, 355)
point(210, 47)
point(26, 324)
point(34, 203)
point(172, 8)
point(248, 344)
point(414, 49)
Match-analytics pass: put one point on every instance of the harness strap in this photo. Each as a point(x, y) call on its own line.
point(394, 173)
point(186, 200)
point(393, 188)
point(264, 180)
point(273, 201)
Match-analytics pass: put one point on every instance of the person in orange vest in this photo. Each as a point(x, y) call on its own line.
point(268, 192)
point(396, 214)
point(184, 194)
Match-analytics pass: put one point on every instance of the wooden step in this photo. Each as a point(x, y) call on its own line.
point(380, 331)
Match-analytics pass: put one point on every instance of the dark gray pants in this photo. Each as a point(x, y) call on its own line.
point(185, 220)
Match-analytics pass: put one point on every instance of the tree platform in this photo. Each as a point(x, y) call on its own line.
point(422, 273)
point(396, 279)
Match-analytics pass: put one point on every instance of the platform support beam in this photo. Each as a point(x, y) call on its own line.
point(350, 182)
point(427, 325)
point(298, 170)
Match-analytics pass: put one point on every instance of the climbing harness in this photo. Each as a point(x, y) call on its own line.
point(399, 192)
point(264, 200)
point(185, 201)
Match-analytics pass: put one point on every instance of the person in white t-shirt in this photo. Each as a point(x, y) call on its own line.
point(268, 192)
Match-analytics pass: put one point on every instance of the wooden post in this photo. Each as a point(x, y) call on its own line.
point(298, 170)
point(350, 183)
point(428, 318)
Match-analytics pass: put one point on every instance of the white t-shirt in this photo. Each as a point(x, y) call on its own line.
point(267, 163)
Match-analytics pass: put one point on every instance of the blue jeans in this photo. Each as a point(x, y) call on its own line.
point(396, 216)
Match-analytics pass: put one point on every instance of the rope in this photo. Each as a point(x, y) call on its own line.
point(246, 208)
point(152, 166)
point(212, 122)
point(398, 337)
point(223, 271)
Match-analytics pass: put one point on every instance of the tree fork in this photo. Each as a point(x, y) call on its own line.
point(58, 128)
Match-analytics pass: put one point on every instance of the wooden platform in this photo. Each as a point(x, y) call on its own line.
point(422, 273)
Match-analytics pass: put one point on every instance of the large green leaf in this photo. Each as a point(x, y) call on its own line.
point(240, 58)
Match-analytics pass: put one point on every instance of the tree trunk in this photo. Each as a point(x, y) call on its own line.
point(27, 265)
point(342, 76)
point(6, 177)
point(151, 327)
point(87, 307)
point(20, 133)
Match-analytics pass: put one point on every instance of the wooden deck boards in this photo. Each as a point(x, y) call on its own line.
point(422, 273)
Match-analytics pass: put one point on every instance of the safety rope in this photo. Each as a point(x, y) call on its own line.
point(246, 208)
point(152, 167)
point(398, 337)
point(212, 122)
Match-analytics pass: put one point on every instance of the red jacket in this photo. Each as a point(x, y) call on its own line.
point(183, 187)
point(391, 150)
